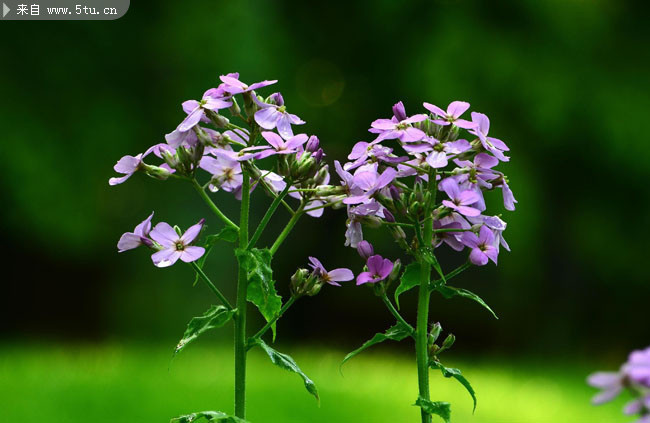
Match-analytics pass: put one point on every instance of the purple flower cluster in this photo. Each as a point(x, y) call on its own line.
point(169, 243)
point(634, 376)
point(206, 141)
point(461, 157)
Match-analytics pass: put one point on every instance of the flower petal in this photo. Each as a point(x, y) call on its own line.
point(192, 253)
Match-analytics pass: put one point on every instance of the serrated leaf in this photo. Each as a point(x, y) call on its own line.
point(261, 286)
point(410, 279)
point(395, 333)
point(208, 416)
point(228, 234)
point(439, 408)
point(450, 372)
point(215, 317)
point(286, 362)
point(450, 291)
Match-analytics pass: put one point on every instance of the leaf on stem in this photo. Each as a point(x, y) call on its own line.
point(209, 416)
point(439, 408)
point(449, 372)
point(228, 234)
point(395, 333)
point(410, 279)
point(450, 291)
point(286, 362)
point(215, 317)
point(261, 286)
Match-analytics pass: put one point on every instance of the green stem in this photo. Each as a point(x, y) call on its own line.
point(439, 231)
point(287, 229)
point(267, 216)
point(240, 317)
point(395, 313)
point(211, 285)
point(268, 325)
point(457, 271)
point(211, 204)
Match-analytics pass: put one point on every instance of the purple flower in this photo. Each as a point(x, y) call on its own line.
point(270, 116)
point(128, 165)
point(399, 126)
point(493, 145)
point(508, 197)
point(497, 225)
point(438, 157)
point(365, 250)
point(637, 367)
point(139, 236)
point(379, 269)
point(177, 138)
point(637, 406)
point(276, 146)
point(482, 246)
point(196, 109)
point(611, 384)
point(453, 239)
point(481, 169)
point(232, 84)
point(333, 276)
point(452, 115)
point(362, 151)
point(226, 172)
point(460, 200)
point(175, 247)
point(370, 182)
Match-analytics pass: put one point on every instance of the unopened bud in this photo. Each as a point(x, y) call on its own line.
point(312, 144)
point(435, 332)
point(322, 176)
point(157, 172)
point(394, 193)
point(234, 109)
point(318, 155)
point(448, 342)
point(394, 274)
point(388, 216)
point(276, 98)
point(365, 249)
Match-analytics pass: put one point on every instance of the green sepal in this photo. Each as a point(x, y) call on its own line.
point(395, 333)
point(209, 416)
point(261, 286)
point(450, 291)
point(215, 317)
point(286, 362)
point(450, 372)
point(410, 279)
point(439, 408)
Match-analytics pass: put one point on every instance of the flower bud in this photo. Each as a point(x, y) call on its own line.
point(365, 249)
point(276, 98)
point(388, 216)
point(448, 342)
point(318, 155)
point(312, 144)
point(234, 109)
point(394, 193)
point(249, 105)
point(394, 274)
point(434, 333)
point(321, 176)
point(303, 168)
point(157, 172)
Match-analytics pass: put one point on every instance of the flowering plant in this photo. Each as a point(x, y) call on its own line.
point(423, 178)
point(634, 377)
point(212, 154)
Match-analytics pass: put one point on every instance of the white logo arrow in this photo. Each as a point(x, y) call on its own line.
point(5, 10)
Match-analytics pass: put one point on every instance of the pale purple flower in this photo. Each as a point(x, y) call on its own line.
point(461, 201)
point(610, 383)
point(139, 236)
point(177, 138)
point(333, 276)
point(497, 225)
point(438, 158)
point(175, 246)
point(637, 406)
point(365, 250)
point(453, 239)
point(370, 182)
point(637, 367)
point(508, 197)
point(363, 151)
point(379, 269)
point(128, 165)
point(196, 109)
point(399, 126)
point(480, 169)
point(232, 84)
point(277, 145)
point(482, 246)
point(270, 116)
point(226, 172)
point(493, 145)
point(452, 115)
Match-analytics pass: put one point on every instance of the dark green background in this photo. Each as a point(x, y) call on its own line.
point(565, 84)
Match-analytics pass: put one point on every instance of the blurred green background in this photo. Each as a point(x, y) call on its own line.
point(85, 333)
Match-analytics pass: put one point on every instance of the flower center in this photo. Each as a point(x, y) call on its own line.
point(180, 246)
point(401, 126)
point(282, 109)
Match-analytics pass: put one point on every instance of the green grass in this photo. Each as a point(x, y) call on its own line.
point(110, 383)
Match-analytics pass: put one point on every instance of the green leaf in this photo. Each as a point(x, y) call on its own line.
point(228, 234)
point(286, 362)
point(209, 416)
point(395, 333)
point(215, 317)
point(439, 408)
point(410, 279)
point(450, 291)
point(261, 286)
point(449, 372)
